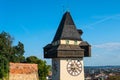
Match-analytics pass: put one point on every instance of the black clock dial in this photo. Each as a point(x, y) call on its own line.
point(74, 67)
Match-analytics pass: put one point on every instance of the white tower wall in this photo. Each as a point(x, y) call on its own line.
point(61, 67)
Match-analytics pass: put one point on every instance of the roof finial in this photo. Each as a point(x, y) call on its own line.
point(63, 7)
point(67, 6)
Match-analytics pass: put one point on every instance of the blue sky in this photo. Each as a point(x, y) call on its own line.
point(34, 23)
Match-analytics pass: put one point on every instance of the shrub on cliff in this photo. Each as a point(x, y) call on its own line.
point(43, 68)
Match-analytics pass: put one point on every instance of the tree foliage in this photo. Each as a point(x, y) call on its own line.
point(117, 77)
point(4, 67)
point(32, 59)
point(43, 68)
point(17, 56)
point(12, 53)
point(9, 53)
point(5, 44)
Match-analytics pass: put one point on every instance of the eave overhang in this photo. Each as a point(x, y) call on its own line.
point(64, 51)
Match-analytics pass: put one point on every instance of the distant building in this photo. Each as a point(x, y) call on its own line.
point(23, 71)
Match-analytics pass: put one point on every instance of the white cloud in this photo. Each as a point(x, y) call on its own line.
point(102, 20)
point(24, 29)
point(108, 46)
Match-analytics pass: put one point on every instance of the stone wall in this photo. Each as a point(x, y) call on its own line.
point(23, 71)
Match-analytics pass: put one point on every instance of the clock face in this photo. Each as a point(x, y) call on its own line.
point(74, 67)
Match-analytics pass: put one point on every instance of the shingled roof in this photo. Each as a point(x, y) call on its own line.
point(67, 29)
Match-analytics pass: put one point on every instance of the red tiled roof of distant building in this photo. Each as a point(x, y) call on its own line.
point(23, 68)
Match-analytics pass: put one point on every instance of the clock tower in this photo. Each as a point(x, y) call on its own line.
point(67, 51)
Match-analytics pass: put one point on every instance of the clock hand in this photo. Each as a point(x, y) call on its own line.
point(78, 65)
point(78, 69)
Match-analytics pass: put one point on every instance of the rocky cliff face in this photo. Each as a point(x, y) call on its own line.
point(23, 71)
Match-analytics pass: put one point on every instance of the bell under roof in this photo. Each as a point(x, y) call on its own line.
point(67, 29)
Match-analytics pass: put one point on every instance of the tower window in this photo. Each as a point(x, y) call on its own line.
point(67, 41)
point(75, 42)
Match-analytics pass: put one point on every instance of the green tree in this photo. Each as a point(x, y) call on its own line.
point(18, 53)
point(32, 59)
point(4, 67)
point(12, 53)
point(43, 68)
point(5, 44)
point(9, 53)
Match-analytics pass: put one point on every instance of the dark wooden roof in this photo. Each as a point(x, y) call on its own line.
point(67, 29)
point(63, 51)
